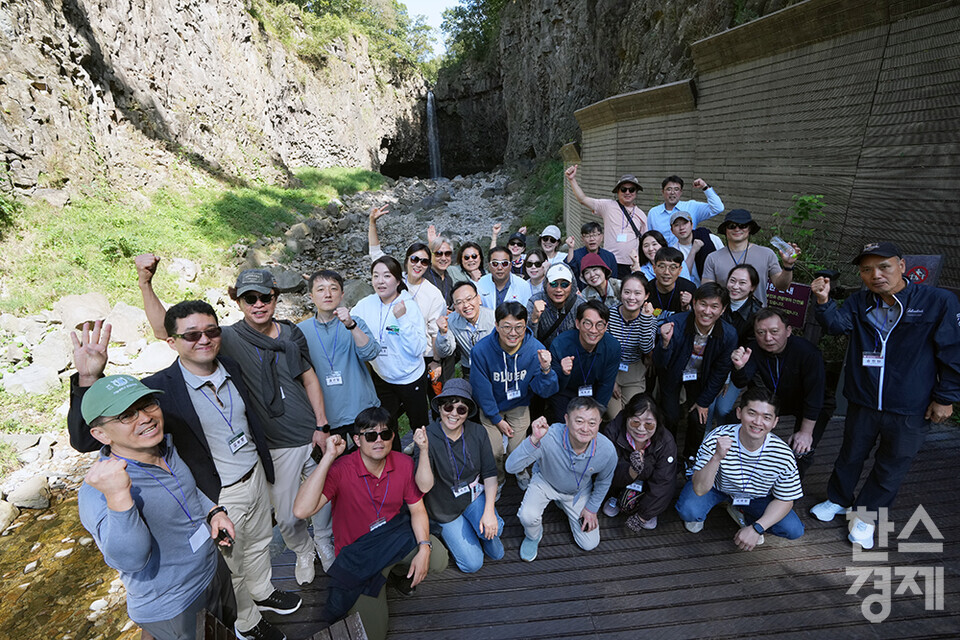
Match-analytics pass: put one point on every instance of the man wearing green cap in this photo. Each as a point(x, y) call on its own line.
point(140, 503)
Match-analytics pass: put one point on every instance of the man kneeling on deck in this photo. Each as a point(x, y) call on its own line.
point(573, 465)
point(752, 469)
point(376, 542)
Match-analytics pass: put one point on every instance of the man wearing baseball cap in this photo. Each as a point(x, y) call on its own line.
point(623, 221)
point(553, 310)
point(140, 503)
point(902, 372)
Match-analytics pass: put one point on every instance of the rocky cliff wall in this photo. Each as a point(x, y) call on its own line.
point(112, 88)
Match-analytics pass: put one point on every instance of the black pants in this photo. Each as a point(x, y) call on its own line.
point(404, 398)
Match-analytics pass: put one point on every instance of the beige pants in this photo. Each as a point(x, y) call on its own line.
point(519, 419)
point(631, 382)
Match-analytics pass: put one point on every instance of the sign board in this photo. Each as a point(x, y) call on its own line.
point(923, 269)
point(792, 303)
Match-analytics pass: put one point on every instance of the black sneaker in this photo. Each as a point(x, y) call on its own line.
point(282, 602)
point(263, 631)
point(401, 583)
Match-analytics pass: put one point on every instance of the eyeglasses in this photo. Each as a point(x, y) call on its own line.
point(599, 325)
point(459, 406)
point(194, 336)
point(473, 256)
point(510, 329)
point(130, 416)
point(516, 243)
point(530, 263)
point(549, 239)
point(371, 436)
point(443, 254)
point(672, 267)
point(251, 298)
point(499, 263)
point(593, 234)
point(419, 260)
point(628, 190)
point(563, 284)
point(737, 225)
point(463, 301)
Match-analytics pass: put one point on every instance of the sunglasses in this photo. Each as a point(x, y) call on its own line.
point(371, 436)
point(193, 336)
point(459, 406)
point(251, 298)
point(549, 239)
point(499, 263)
point(563, 284)
point(628, 190)
point(534, 264)
point(443, 254)
point(475, 256)
point(419, 260)
point(737, 225)
point(516, 244)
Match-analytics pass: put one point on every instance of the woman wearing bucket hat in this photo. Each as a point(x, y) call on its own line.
point(623, 221)
point(457, 472)
point(600, 286)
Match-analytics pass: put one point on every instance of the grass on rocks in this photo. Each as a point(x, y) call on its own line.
point(543, 196)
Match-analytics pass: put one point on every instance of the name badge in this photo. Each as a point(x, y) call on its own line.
point(624, 367)
point(872, 359)
point(384, 351)
point(236, 441)
point(476, 489)
point(741, 501)
point(199, 538)
point(621, 237)
point(689, 376)
point(461, 489)
point(513, 394)
point(636, 486)
point(379, 522)
point(585, 391)
point(334, 378)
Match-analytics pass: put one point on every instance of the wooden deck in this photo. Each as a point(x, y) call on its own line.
point(669, 583)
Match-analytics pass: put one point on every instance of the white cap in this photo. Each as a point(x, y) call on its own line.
point(551, 231)
point(559, 271)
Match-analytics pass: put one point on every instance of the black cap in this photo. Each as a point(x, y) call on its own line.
point(882, 249)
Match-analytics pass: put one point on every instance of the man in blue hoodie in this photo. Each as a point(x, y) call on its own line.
point(508, 367)
point(915, 329)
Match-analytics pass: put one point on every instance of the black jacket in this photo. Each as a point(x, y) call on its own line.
point(795, 376)
point(659, 471)
point(181, 421)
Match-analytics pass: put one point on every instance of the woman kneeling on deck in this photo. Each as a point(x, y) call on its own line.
point(645, 478)
point(457, 472)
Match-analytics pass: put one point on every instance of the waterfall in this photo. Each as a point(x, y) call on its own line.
point(433, 138)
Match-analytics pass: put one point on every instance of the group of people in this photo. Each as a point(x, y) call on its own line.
point(577, 372)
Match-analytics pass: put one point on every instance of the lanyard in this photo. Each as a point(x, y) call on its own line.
point(384, 320)
point(516, 377)
point(572, 458)
point(260, 356)
point(744, 482)
point(670, 301)
point(229, 420)
point(593, 360)
point(453, 461)
point(627, 329)
point(775, 380)
point(336, 334)
point(370, 493)
point(182, 505)
point(743, 258)
point(633, 444)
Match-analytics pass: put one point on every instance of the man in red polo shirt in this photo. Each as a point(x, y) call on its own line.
point(376, 541)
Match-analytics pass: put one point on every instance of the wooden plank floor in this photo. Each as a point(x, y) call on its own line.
point(669, 583)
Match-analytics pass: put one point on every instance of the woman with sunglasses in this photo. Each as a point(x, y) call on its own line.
point(550, 244)
point(400, 330)
point(645, 478)
point(457, 472)
point(535, 269)
point(623, 220)
point(469, 263)
point(650, 243)
point(632, 323)
point(439, 276)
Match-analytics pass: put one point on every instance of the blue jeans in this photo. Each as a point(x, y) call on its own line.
point(722, 407)
point(464, 541)
point(694, 508)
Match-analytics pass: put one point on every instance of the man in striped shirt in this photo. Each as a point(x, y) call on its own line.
point(751, 469)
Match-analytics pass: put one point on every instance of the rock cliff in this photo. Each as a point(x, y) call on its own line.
point(119, 88)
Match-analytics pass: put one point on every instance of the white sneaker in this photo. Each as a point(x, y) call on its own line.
point(826, 511)
point(325, 551)
point(611, 508)
point(304, 570)
point(736, 515)
point(694, 527)
point(861, 533)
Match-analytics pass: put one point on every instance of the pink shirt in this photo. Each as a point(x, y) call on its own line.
point(615, 225)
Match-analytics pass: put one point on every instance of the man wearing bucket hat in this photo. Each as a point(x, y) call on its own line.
point(457, 473)
point(659, 218)
point(140, 503)
point(902, 372)
point(738, 225)
point(623, 221)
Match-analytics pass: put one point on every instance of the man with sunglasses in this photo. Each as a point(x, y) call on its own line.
point(501, 285)
point(738, 225)
point(378, 541)
point(285, 394)
point(659, 217)
point(467, 325)
point(552, 310)
point(141, 504)
point(204, 402)
point(623, 221)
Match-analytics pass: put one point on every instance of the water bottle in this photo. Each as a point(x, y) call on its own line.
point(784, 247)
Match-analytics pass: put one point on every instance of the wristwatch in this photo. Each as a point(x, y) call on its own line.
point(758, 528)
point(324, 427)
point(428, 543)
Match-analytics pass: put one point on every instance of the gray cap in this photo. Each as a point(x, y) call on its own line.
point(259, 280)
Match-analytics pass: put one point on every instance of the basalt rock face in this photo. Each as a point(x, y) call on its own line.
point(120, 88)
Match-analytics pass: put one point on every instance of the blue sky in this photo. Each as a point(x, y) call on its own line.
point(433, 10)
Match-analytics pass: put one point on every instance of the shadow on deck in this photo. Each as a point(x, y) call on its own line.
point(675, 584)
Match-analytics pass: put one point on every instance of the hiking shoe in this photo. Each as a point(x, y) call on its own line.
point(611, 508)
point(263, 631)
point(861, 533)
point(325, 551)
point(694, 527)
point(282, 602)
point(401, 583)
point(528, 549)
point(304, 571)
point(636, 523)
point(826, 510)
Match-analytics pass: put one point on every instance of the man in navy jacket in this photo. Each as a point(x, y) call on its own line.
point(902, 372)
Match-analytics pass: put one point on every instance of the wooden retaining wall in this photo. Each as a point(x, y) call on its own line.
point(858, 100)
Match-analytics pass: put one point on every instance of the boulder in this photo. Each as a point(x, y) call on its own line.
point(288, 280)
point(58, 198)
point(299, 231)
point(183, 269)
point(8, 513)
point(333, 207)
point(37, 378)
point(154, 357)
point(129, 323)
point(20, 441)
point(12, 354)
point(74, 310)
point(55, 351)
point(32, 494)
point(355, 290)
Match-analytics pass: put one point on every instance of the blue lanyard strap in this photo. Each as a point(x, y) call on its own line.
point(670, 301)
point(453, 461)
point(593, 359)
point(572, 458)
point(383, 320)
point(744, 482)
point(743, 258)
point(336, 334)
point(775, 379)
point(370, 493)
point(182, 505)
point(229, 420)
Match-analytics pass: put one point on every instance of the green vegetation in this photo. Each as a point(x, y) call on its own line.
point(542, 199)
point(32, 413)
point(803, 225)
point(9, 210)
point(88, 245)
point(472, 29)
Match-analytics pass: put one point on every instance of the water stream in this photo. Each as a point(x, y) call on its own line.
point(433, 137)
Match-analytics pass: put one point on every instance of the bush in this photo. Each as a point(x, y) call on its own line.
point(10, 209)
